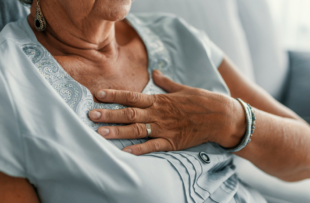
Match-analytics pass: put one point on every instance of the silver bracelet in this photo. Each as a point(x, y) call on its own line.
point(250, 120)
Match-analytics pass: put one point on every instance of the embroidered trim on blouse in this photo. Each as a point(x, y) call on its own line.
point(77, 96)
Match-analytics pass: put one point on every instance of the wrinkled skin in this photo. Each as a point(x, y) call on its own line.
point(185, 118)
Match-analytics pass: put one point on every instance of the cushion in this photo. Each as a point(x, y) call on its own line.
point(268, 55)
point(218, 18)
point(298, 88)
point(10, 11)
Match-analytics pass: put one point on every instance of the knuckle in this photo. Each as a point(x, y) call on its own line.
point(172, 144)
point(153, 99)
point(138, 130)
point(132, 97)
point(156, 146)
point(201, 91)
point(117, 132)
point(108, 115)
point(139, 149)
point(131, 114)
point(159, 101)
point(113, 95)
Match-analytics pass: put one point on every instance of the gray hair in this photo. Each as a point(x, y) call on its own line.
point(26, 2)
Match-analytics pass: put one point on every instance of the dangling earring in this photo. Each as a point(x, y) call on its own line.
point(39, 21)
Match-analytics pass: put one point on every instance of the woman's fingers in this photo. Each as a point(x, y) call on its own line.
point(134, 131)
point(154, 145)
point(136, 99)
point(167, 84)
point(133, 99)
point(126, 115)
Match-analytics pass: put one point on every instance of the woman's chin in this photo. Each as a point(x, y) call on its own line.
point(116, 14)
point(117, 10)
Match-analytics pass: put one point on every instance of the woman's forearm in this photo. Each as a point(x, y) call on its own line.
point(280, 147)
point(280, 142)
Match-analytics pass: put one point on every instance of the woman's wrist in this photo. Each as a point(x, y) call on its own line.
point(237, 128)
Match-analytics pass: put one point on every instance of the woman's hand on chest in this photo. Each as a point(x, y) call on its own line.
point(184, 118)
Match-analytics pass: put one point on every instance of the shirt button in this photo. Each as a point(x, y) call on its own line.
point(204, 157)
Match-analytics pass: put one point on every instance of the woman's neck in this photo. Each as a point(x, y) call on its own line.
point(90, 38)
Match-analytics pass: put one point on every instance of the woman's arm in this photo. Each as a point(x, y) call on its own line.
point(241, 87)
point(17, 190)
point(189, 116)
point(280, 144)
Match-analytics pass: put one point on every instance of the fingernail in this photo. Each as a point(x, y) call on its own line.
point(101, 94)
point(128, 151)
point(104, 131)
point(94, 115)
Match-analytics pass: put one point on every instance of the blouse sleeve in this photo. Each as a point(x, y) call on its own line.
point(215, 54)
point(11, 148)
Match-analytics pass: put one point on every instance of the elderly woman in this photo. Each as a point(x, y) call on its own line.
point(68, 73)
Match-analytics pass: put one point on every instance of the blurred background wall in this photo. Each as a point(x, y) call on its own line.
point(292, 18)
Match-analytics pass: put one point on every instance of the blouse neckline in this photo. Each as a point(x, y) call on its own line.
point(77, 96)
point(34, 38)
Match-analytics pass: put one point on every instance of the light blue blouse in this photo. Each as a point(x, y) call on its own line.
point(46, 136)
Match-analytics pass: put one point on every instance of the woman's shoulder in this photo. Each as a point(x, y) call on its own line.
point(160, 20)
point(174, 32)
point(152, 17)
point(12, 38)
point(14, 33)
point(171, 28)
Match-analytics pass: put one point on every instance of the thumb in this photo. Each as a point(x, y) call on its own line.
point(165, 83)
